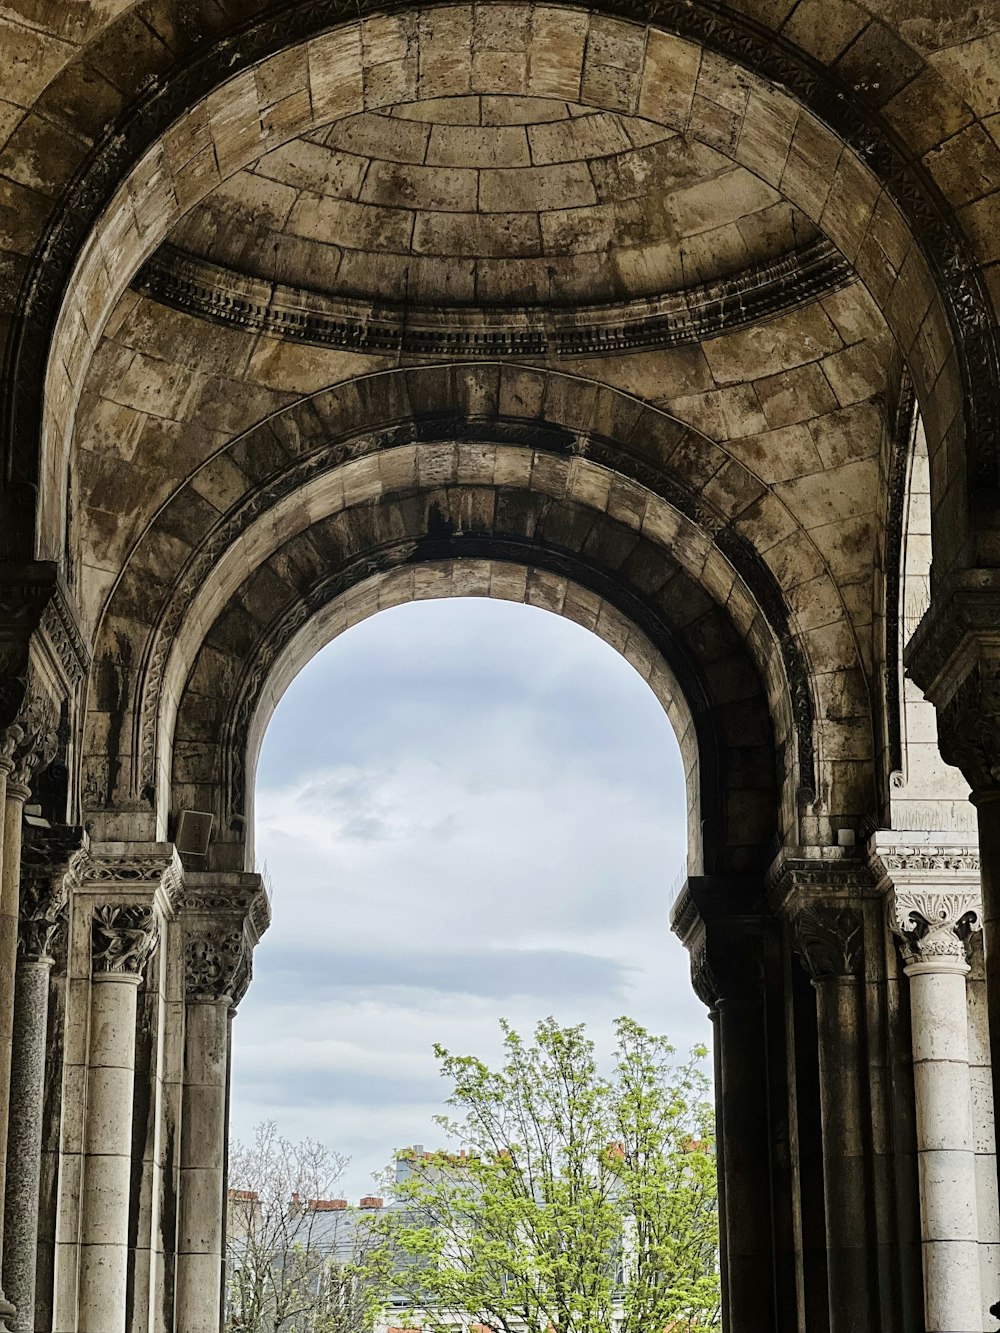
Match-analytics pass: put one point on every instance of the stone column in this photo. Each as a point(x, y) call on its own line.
point(829, 939)
point(223, 916)
point(932, 927)
point(25, 747)
point(49, 869)
point(729, 933)
point(124, 936)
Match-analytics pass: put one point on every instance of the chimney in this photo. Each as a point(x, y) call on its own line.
point(326, 1205)
point(370, 1201)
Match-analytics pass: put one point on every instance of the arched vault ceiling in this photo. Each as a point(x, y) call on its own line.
point(493, 200)
point(721, 82)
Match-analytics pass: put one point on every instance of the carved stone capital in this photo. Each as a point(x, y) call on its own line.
point(124, 938)
point(52, 860)
point(722, 922)
point(223, 916)
point(28, 744)
point(217, 963)
point(821, 892)
point(934, 926)
point(829, 938)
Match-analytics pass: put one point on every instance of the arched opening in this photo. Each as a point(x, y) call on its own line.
point(469, 809)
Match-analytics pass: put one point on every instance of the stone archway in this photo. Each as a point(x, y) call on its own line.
point(305, 309)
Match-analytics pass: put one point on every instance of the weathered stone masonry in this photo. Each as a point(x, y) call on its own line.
point(677, 320)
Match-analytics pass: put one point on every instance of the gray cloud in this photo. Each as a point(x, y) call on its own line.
point(545, 975)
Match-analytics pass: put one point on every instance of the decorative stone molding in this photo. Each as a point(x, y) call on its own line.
point(52, 862)
point(156, 866)
point(902, 442)
point(829, 938)
point(212, 291)
point(282, 630)
point(124, 938)
point(934, 927)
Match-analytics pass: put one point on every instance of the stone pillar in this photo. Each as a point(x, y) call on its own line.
point(732, 939)
point(954, 657)
point(25, 747)
point(933, 924)
point(829, 939)
point(124, 936)
point(49, 869)
point(222, 917)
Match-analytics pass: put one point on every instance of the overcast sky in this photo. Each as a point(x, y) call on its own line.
point(469, 809)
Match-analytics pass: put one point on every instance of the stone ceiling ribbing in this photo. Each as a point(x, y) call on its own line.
point(492, 201)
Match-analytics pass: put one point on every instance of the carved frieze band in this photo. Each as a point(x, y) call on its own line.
point(211, 291)
point(124, 938)
point(934, 926)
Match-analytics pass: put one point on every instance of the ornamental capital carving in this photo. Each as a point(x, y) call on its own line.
point(223, 915)
point(934, 926)
point(704, 982)
point(30, 742)
point(124, 938)
point(217, 963)
point(52, 862)
point(829, 938)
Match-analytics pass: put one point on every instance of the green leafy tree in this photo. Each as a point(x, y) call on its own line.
point(586, 1202)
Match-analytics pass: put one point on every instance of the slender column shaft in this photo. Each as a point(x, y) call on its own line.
point(202, 1184)
point(108, 1143)
point(749, 1258)
point(987, 805)
point(720, 1161)
point(15, 794)
point(31, 1006)
point(945, 1147)
point(840, 1022)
